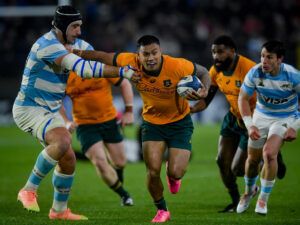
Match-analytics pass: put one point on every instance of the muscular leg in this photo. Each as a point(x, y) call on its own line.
point(270, 151)
point(226, 153)
point(58, 142)
point(153, 156)
point(117, 157)
point(59, 147)
point(252, 168)
point(97, 156)
point(177, 162)
point(238, 163)
point(269, 171)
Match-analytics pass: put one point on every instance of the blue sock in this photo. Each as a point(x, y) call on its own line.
point(42, 167)
point(62, 185)
point(266, 188)
point(250, 184)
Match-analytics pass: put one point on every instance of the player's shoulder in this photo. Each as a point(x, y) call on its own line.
point(125, 58)
point(289, 69)
point(172, 59)
point(48, 39)
point(176, 63)
point(130, 55)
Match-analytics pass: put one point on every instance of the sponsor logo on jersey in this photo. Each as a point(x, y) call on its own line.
point(275, 101)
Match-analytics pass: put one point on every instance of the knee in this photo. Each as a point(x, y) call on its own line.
point(120, 163)
point(63, 143)
point(176, 172)
point(269, 155)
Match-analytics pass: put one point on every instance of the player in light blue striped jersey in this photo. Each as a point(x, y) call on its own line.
point(275, 120)
point(40, 97)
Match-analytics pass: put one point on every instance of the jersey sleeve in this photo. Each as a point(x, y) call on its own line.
point(186, 67)
point(124, 59)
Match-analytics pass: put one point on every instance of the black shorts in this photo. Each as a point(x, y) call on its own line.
point(176, 135)
point(231, 128)
point(89, 134)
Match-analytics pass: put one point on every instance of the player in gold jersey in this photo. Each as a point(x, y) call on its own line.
point(227, 75)
point(166, 116)
point(95, 115)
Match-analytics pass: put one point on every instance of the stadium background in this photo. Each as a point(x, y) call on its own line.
point(186, 28)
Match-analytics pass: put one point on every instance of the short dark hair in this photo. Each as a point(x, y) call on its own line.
point(225, 40)
point(147, 40)
point(275, 46)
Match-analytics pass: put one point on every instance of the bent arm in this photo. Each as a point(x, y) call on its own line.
point(204, 102)
point(127, 94)
point(203, 75)
point(244, 107)
point(70, 125)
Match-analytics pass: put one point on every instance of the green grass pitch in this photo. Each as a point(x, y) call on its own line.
point(201, 196)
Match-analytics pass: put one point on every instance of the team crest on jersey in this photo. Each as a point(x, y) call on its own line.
point(238, 83)
point(167, 83)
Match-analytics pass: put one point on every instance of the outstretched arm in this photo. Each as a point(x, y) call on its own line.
point(94, 69)
point(101, 56)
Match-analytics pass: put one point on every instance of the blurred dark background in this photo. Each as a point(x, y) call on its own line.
point(186, 28)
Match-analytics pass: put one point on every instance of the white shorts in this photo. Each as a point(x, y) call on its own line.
point(268, 126)
point(36, 120)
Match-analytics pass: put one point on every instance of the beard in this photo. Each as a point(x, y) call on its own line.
point(224, 64)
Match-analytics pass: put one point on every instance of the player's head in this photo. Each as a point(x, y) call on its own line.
point(149, 54)
point(223, 51)
point(272, 53)
point(68, 20)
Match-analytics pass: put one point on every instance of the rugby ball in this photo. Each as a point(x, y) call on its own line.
point(187, 84)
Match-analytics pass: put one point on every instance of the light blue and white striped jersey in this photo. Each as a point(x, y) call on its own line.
point(277, 96)
point(44, 82)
